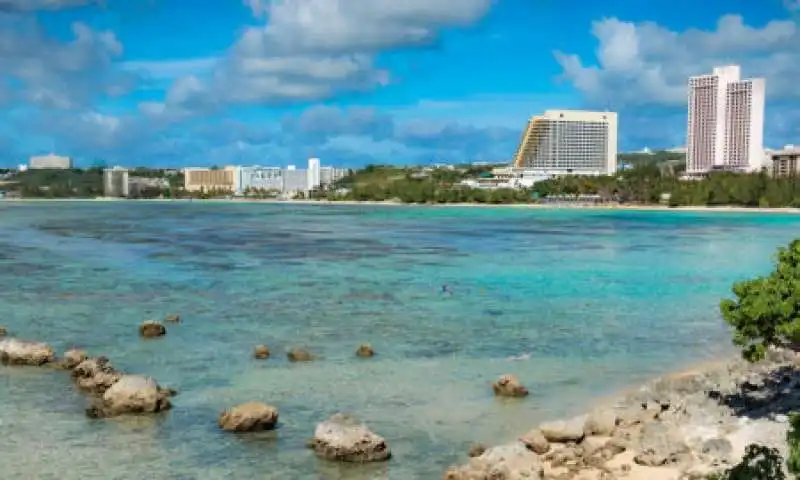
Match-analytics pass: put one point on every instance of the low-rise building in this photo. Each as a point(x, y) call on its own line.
point(785, 162)
point(210, 179)
point(51, 161)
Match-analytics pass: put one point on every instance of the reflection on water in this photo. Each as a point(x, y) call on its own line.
point(577, 304)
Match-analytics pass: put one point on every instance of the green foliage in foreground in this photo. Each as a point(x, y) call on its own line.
point(793, 439)
point(766, 310)
point(759, 463)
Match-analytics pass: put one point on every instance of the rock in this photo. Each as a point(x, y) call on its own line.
point(659, 445)
point(22, 352)
point(261, 352)
point(365, 351)
point(299, 355)
point(509, 462)
point(72, 358)
point(592, 445)
point(152, 329)
point(131, 394)
point(717, 449)
point(509, 386)
point(600, 422)
point(248, 417)
point(3, 332)
point(562, 431)
point(173, 318)
point(535, 441)
point(476, 450)
point(343, 438)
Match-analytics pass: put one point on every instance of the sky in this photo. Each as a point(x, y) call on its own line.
point(169, 83)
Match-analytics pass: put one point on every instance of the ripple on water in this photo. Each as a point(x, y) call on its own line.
point(577, 304)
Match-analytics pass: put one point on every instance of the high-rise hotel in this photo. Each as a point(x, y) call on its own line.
point(726, 122)
point(564, 142)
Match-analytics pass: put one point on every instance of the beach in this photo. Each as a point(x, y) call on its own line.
point(578, 305)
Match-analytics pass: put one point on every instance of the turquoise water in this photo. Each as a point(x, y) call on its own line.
point(590, 302)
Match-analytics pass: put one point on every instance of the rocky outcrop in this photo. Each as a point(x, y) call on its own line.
point(248, 417)
point(563, 431)
point(535, 441)
point(345, 439)
point(365, 351)
point(21, 352)
point(95, 375)
point(509, 386)
point(131, 394)
point(299, 355)
point(261, 352)
point(152, 329)
point(504, 462)
point(72, 358)
point(677, 427)
point(173, 318)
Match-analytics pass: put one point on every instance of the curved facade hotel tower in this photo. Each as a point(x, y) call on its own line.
point(725, 123)
point(569, 142)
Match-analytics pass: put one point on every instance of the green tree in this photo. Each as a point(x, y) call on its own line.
point(766, 310)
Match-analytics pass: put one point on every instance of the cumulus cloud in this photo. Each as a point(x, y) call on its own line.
point(48, 73)
point(314, 49)
point(647, 64)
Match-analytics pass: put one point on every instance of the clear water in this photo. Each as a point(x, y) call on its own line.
point(595, 301)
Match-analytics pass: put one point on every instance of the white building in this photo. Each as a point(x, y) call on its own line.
point(51, 161)
point(258, 178)
point(313, 174)
point(115, 182)
point(568, 142)
point(725, 122)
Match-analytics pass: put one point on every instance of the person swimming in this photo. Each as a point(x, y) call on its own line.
point(446, 289)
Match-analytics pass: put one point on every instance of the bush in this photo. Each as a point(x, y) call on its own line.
point(766, 310)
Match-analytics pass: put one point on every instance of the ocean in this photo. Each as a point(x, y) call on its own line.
point(578, 304)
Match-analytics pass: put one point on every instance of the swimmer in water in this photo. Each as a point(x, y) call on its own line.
point(446, 289)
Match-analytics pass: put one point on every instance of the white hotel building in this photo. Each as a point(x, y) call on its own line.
point(725, 123)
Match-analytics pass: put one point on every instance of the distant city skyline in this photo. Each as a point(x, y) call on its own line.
point(434, 82)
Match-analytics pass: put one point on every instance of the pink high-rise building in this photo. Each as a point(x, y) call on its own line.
point(726, 122)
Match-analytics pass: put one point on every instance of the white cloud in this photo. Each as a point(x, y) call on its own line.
point(49, 73)
point(313, 49)
point(647, 64)
point(358, 25)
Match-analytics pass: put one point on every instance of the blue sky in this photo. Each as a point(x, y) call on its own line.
point(178, 82)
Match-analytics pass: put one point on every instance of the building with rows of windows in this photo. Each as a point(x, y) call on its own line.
point(568, 142)
point(725, 122)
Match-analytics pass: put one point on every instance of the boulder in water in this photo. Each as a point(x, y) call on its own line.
point(22, 352)
point(3, 332)
point(261, 352)
point(299, 355)
point(365, 351)
point(72, 358)
point(131, 394)
point(95, 374)
point(509, 386)
point(343, 438)
point(152, 329)
point(248, 417)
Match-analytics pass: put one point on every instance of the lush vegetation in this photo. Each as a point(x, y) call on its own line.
point(73, 183)
point(766, 310)
point(440, 185)
point(766, 313)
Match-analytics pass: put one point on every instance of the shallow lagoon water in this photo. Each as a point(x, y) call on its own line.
point(589, 301)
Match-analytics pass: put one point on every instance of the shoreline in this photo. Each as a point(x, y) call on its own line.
point(642, 208)
point(690, 423)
